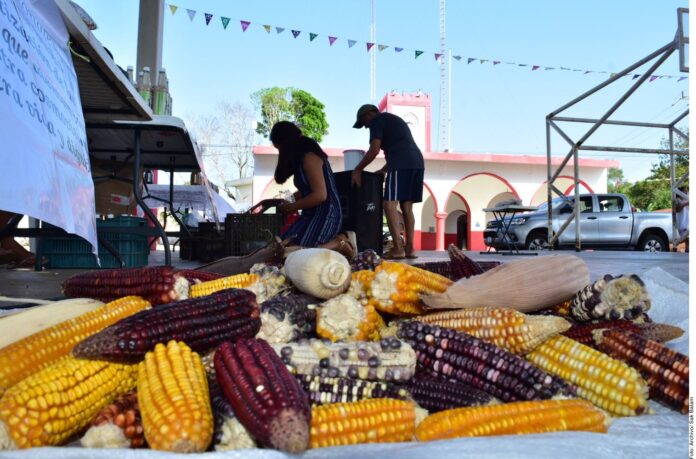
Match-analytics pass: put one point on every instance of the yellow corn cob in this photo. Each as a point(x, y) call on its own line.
point(344, 318)
point(507, 328)
point(236, 281)
point(174, 399)
point(26, 356)
point(537, 416)
point(608, 383)
point(396, 288)
point(360, 282)
point(53, 404)
point(377, 420)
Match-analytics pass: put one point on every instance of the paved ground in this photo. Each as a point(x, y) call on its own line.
point(29, 284)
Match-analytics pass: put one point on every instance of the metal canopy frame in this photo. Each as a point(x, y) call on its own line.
point(579, 145)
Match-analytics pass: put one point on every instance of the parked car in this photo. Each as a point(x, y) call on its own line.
point(606, 221)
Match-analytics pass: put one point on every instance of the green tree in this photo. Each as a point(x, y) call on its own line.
point(616, 183)
point(291, 104)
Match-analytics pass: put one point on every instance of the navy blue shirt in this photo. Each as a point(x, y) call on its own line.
point(400, 150)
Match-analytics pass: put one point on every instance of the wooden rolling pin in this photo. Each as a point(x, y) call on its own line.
point(525, 285)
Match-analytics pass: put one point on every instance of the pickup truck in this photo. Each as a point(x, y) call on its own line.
point(606, 221)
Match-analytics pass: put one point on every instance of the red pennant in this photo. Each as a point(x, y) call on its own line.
point(369, 46)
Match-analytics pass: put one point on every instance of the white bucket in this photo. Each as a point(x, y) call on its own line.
point(351, 158)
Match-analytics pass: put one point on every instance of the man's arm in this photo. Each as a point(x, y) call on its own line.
point(375, 147)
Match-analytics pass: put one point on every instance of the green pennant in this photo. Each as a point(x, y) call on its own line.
point(418, 53)
point(173, 9)
point(225, 22)
point(267, 28)
point(312, 36)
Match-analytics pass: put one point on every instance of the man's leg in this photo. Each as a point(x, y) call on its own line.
point(392, 213)
point(409, 225)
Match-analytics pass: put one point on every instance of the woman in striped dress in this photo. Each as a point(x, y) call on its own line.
point(317, 197)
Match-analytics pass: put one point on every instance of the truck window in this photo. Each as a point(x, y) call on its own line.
point(610, 204)
point(585, 204)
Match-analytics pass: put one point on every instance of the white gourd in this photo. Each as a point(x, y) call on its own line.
point(322, 273)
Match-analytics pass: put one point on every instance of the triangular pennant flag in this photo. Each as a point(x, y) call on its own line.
point(459, 58)
point(397, 49)
point(549, 68)
point(565, 68)
point(496, 62)
point(225, 22)
point(681, 78)
point(653, 78)
point(191, 13)
point(331, 40)
point(438, 56)
point(483, 61)
point(280, 29)
point(369, 46)
point(173, 9)
point(635, 75)
point(351, 43)
point(588, 71)
point(312, 36)
point(245, 25)
point(267, 28)
point(296, 33)
point(208, 17)
point(382, 47)
point(418, 53)
point(534, 67)
point(470, 60)
point(523, 65)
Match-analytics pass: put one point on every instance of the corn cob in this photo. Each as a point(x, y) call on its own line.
point(505, 327)
point(174, 399)
point(455, 355)
point(228, 434)
point(365, 260)
point(440, 394)
point(344, 318)
point(396, 288)
point(665, 370)
point(272, 282)
point(661, 333)
point(538, 416)
point(196, 276)
point(50, 406)
point(360, 282)
point(606, 382)
point(210, 287)
point(322, 389)
point(622, 297)
point(26, 356)
point(443, 268)
point(267, 400)
point(378, 420)
point(157, 284)
point(202, 323)
point(119, 425)
point(288, 318)
point(561, 309)
point(462, 266)
point(388, 360)
point(584, 332)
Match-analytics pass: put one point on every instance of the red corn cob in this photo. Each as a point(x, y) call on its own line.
point(584, 332)
point(266, 398)
point(156, 284)
point(202, 323)
point(195, 276)
point(665, 370)
point(462, 266)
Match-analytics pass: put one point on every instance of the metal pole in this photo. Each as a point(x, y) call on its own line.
point(576, 205)
point(549, 232)
point(672, 179)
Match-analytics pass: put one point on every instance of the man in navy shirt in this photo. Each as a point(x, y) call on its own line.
point(403, 184)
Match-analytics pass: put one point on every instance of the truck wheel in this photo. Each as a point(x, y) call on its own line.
point(537, 241)
point(652, 243)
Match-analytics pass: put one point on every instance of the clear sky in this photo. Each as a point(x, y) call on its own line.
point(495, 108)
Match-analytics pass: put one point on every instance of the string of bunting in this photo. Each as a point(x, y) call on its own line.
point(369, 46)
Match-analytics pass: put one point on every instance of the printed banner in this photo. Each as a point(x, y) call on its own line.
point(45, 163)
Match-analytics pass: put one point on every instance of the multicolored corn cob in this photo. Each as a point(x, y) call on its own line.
point(462, 266)
point(157, 284)
point(378, 420)
point(606, 382)
point(174, 399)
point(507, 328)
point(266, 398)
point(621, 297)
point(584, 332)
point(272, 282)
point(288, 318)
point(388, 360)
point(119, 425)
point(455, 355)
point(440, 394)
point(29, 355)
point(344, 318)
point(365, 260)
point(538, 416)
point(322, 389)
point(665, 370)
point(195, 276)
point(202, 323)
point(229, 434)
point(210, 287)
point(52, 405)
point(396, 288)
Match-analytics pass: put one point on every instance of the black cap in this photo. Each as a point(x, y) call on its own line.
point(367, 108)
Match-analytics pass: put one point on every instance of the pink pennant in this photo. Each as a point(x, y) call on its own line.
point(331, 40)
point(534, 67)
point(369, 46)
point(653, 78)
point(245, 25)
point(438, 56)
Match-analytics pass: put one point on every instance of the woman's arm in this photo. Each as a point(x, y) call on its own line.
point(313, 167)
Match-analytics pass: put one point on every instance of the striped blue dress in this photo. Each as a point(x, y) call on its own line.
point(319, 224)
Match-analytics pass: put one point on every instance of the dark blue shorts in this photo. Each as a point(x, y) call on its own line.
point(404, 185)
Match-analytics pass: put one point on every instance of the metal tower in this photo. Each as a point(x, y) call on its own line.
point(373, 54)
point(445, 77)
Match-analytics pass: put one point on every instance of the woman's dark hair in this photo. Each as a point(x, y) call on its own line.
point(292, 146)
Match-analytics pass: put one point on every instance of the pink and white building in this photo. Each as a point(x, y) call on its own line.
point(457, 185)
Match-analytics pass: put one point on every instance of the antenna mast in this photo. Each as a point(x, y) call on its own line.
point(445, 83)
point(373, 55)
